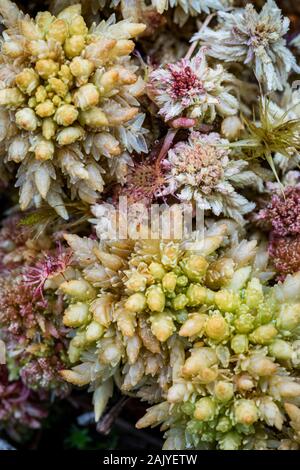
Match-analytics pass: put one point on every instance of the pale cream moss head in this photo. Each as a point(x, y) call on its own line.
point(205, 172)
point(254, 39)
point(191, 88)
point(128, 300)
point(62, 83)
point(239, 381)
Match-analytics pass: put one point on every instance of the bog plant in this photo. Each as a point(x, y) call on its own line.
point(68, 103)
point(201, 327)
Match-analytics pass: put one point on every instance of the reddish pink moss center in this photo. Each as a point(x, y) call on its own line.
point(183, 82)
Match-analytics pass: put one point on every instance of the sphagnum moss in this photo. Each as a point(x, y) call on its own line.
point(70, 93)
point(203, 332)
point(238, 382)
point(194, 329)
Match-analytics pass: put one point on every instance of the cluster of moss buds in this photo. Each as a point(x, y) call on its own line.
point(169, 275)
point(138, 307)
point(238, 376)
point(66, 84)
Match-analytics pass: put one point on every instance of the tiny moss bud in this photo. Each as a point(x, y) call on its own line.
point(27, 81)
point(202, 358)
point(182, 281)
point(73, 353)
point(32, 102)
point(79, 289)
point(14, 49)
point(11, 97)
point(40, 94)
point(74, 45)
point(86, 97)
point(26, 119)
point(78, 26)
point(45, 109)
point(288, 388)
point(57, 85)
point(169, 282)
point(48, 128)
point(182, 316)
point(157, 271)
point(107, 82)
point(94, 118)
point(44, 150)
point(46, 68)
point(194, 325)
point(44, 19)
point(217, 328)
point(239, 344)
point(196, 295)
point(231, 127)
point(136, 302)
point(79, 339)
point(227, 301)
point(66, 115)
point(223, 391)
point(244, 383)
point(230, 441)
point(205, 409)
point(126, 321)
point(245, 412)
point(188, 408)
point(289, 317)
point(264, 314)
point(101, 308)
point(281, 350)
point(58, 30)
point(179, 302)
point(65, 74)
point(219, 273)
point(76, 314)
point(176, 393)
point(162, 326)
point(94, 331)
point(70, 135)
point(260, 366)
point(195, 267)
point(254, 293)
point(169, 255)
point(155, 299)
point(263, 334)
point(122, 47)
point(81, 69)
point(244, 323)
point(29, 29)
point(137, 282)
point(224, 424)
